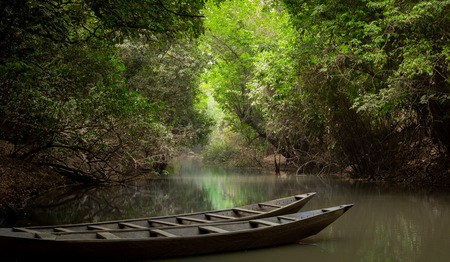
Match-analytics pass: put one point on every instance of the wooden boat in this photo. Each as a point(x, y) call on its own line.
point(150, 243)
point(275, 207)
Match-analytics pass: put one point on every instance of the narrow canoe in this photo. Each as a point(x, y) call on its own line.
point(151, 243)
point(281, 206)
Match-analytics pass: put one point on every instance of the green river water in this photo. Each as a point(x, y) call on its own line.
point(386, 223)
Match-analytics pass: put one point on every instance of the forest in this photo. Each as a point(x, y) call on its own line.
point(101, 91)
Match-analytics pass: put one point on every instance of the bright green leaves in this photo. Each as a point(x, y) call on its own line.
point(250, 43)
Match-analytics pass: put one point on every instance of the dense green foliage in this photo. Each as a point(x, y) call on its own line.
point(380, 70)
point(97, 88)
point(337, 83)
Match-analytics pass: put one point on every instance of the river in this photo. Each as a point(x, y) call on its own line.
point(386, 223)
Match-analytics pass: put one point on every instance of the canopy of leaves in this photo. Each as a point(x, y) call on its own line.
point(381, 67)
point(362, 83)
point(249, 42)
point(69, 98)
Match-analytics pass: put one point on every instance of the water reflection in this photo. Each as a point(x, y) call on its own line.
point(386, 224)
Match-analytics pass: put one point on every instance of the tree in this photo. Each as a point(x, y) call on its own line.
point(64, 99)
point(381, 67)
point(170, 73)
point(240, 35)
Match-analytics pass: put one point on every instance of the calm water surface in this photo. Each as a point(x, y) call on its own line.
point(386, 224)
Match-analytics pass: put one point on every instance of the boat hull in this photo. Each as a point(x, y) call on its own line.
point(162, 247)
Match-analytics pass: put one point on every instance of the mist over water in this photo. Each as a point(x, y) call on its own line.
point(386, 223)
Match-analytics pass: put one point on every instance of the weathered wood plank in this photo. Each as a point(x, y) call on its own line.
point(219, 216)
point(269, 205)
point(106, 235)
point(130, 225)
point(263, 222)
point(193, 219)
point(21, 229)
point(160, 232)
point(247, 211)
point(286, 218)
point(62, 229)
point(212, 229)
point(166, 223)
point(94, 227)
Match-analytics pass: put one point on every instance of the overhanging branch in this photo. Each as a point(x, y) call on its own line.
point(175, 13)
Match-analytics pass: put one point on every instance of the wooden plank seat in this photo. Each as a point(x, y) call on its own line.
point(162, 222)
point(21, 229)
point(62, 229)
point(106, 235)
point(159, 232)
point(37, 234)
point(219, 216)
point(211, 229)
point(197, 220)
point(269, 205)
point(286, 218)
point(236, 210)
point(263, 222)
point(94, 227)
point(130, 225)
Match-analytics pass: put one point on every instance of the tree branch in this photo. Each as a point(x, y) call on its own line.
point(175, 13)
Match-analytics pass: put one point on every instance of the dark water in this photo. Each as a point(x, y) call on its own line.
point(386, 223)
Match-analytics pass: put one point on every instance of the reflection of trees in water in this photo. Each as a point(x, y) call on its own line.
point(195, 191)
point(387, 223)
point(86, 204)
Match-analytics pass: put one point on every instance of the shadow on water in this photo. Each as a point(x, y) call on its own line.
point(386, 223)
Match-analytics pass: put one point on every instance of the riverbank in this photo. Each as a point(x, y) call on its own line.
point(21, 181)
